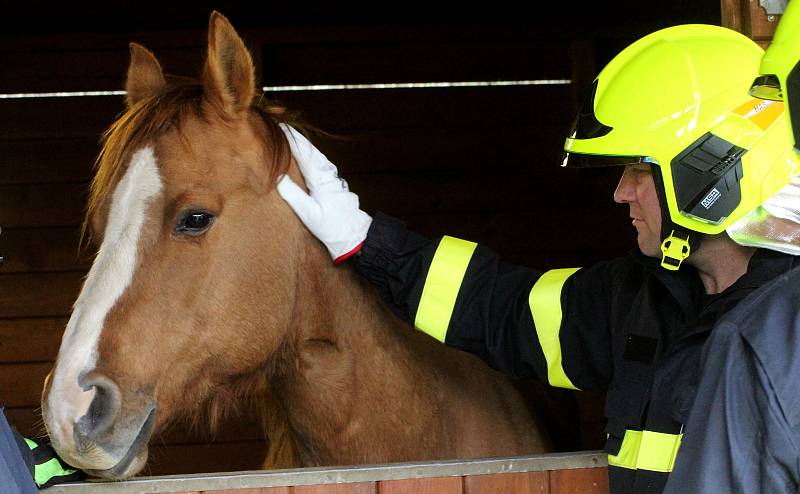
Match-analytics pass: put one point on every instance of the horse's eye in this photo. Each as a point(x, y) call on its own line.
point(194, 223)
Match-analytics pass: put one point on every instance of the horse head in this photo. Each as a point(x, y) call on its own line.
point(192, 285)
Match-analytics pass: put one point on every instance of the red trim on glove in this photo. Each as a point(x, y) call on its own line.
point(344, 256)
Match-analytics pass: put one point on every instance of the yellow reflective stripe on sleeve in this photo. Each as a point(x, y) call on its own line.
point(442, 285)
point(647, 450)
point(545, 304)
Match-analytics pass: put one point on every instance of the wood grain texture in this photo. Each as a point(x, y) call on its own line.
point(579, 481)
point(355, 488)
point(435, 485)
point(31, 339)
point(505, 483)
point(39, 294)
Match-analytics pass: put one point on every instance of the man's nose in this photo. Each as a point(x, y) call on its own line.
point(626, 188)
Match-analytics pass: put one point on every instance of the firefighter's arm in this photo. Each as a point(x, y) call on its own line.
point(454, 290)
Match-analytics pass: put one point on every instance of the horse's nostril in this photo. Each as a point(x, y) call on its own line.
point(103, 409)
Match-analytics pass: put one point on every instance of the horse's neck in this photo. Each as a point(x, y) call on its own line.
point(344, 344)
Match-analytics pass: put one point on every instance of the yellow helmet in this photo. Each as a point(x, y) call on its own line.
point(678, 99)
point(779, 77)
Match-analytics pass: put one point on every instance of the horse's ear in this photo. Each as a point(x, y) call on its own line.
point(145, 77)
point(228, 77)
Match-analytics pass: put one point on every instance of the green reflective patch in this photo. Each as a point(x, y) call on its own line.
point(50, 469)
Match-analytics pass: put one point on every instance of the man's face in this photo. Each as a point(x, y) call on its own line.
point(637, 189)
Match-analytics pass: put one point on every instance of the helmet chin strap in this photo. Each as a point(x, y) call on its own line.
point(676, 247)
point(678, 242)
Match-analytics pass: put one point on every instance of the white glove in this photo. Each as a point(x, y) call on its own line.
point(331, 211)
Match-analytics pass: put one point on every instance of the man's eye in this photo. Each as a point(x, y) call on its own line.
point(194, 223)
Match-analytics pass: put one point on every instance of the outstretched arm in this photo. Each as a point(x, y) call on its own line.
point(522, 321)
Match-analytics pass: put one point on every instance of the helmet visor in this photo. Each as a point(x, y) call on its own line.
point(767, 87)
point(582, 160)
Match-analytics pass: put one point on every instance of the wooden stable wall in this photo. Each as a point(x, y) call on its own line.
point(580, 481)
point(750, 18)
point(479, 163)
point(569, 473)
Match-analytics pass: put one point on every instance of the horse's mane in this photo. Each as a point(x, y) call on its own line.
point(151, 117)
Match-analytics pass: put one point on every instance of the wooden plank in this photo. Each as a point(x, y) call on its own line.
point(273, 34)
point(42, 205)
point(197, 458)
point(50, 160)
point(592, 419)
point(27, 420)
point(236, 428)
point(331, 110)
point(60, 118)
point(531, 189)
point(432, 108)
point(39, 294)
point(21, 384)
point(43, 249)
point(506, 483)
point(445, 60)
point(89, 69)
point(579, 481)
point(356, 488)
point(533, 147)
point(288, 64)
point(434, 485)
point(759, 25)
point(30, 339)
point(91, 61)
point(255, 490)
point(732, 14)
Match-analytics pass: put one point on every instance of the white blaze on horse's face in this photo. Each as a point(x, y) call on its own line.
point(109, 277)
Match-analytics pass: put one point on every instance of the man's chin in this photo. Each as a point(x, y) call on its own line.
point(649, 248)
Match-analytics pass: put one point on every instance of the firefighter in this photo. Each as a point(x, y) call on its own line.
point(698, 154)
point(742, 434)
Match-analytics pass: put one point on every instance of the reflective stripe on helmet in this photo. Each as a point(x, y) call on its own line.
point(545, 304)
point(442, 285)
point(647, 450)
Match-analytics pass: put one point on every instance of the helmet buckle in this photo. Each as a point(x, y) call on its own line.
point(674, 250)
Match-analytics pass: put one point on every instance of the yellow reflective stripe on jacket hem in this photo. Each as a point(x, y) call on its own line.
point(545, 304)
point(442, 285)
point(647, 450)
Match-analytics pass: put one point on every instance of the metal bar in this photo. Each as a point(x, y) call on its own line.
point(338, 475)
point(317, 87)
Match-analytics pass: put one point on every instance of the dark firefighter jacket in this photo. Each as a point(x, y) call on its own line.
point(743, 433)
point(626, 326)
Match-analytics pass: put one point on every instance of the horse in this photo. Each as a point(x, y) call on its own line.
point(206, 288)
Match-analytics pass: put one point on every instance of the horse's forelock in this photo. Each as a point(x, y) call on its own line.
point(148, 119)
